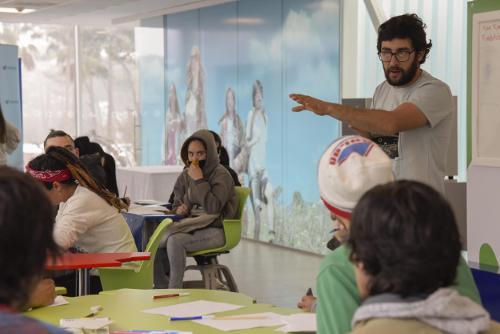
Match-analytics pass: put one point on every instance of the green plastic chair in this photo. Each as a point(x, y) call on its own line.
point(215, 275)
point(140, 277)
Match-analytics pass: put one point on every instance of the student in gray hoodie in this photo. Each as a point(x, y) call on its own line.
point(204, 194)
point(405, 247)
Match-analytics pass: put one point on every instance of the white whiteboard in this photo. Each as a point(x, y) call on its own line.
point(486, 89)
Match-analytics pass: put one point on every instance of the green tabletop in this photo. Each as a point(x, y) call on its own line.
point(124, 308)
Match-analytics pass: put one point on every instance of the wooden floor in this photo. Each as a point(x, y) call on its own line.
point(270, 274)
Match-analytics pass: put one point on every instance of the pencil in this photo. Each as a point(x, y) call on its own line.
point(171, 295)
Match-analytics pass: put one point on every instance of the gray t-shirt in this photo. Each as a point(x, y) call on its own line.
point(422, 152)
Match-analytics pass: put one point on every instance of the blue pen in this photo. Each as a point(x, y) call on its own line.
point(197, 317)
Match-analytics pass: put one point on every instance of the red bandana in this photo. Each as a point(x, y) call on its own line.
point(49, 176)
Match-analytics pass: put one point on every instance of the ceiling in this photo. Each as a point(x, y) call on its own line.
point(96, 12)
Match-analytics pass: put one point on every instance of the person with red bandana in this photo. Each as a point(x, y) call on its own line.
point(89, 217)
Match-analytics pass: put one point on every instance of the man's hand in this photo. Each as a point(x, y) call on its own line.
point(44, 294)
point(182, 210)
point(306, 302)
point(195, 172)
point(305, 102)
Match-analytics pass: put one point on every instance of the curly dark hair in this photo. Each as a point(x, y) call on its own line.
point(405, 235)
point(405, 26)
point(26, 224)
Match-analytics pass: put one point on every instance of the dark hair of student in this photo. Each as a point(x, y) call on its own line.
point(83, 143)
point(405, 26)
point(3, 128)
point(58, 158)
point(26, 224)
point(405, 235)
point(56, 133)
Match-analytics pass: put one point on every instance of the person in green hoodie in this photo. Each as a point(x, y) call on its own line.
point(405, 247)
point(348, 168)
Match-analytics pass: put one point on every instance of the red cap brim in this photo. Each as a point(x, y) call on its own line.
point(336, 211)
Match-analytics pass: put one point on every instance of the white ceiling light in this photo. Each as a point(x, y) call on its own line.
point(18, 10)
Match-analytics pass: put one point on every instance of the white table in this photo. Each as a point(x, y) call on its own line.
point(147, 182)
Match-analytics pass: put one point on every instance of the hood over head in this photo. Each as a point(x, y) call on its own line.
point(206, 137)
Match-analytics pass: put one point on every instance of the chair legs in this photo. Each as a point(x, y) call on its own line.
point(216, 276)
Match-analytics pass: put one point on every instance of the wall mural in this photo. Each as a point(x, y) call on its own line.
point(230, 68)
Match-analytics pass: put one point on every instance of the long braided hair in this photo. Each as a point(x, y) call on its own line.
point(60, 159)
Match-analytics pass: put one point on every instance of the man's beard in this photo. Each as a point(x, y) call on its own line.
point(406, 76)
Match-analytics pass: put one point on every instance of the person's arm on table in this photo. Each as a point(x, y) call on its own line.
point(43, 294)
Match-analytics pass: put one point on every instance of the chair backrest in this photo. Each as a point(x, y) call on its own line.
point(242, 196)
point(154, 242)
point(232, 227)
point(140, 277)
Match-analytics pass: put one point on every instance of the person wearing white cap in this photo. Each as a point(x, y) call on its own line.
point(348, 168)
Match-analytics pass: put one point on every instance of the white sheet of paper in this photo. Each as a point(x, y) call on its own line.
point(301, 322)
point(192, 309)
point(147, 210)
point(60, 300)
point(85, 323)
point(148, 202)
point(243, 321)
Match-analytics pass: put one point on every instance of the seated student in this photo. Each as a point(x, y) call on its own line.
point(26, 223)
point(405, 247)
point(62, 139)
point(89, 216)
point(224, 158)
point(347, 169)
point(98, 162)
point(365, 165)
point(9, 138)
point(204, 194)
point(224, 161)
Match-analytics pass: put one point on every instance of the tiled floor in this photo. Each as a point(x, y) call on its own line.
point(270, 274)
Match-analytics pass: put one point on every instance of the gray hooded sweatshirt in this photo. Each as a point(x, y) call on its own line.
point(445, 310)
point(211, 199)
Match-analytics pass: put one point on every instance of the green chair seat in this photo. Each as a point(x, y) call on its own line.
point(141, 275)
point(215, 275)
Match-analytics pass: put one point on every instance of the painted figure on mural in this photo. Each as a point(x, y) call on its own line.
point(232, 133)
point(256, 137)
point(195, 101)
point(175, 128)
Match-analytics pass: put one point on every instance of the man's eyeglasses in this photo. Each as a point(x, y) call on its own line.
point(401, 55)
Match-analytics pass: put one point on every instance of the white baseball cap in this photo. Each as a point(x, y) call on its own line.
point(349, 167)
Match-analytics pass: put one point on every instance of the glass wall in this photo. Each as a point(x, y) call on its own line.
point(104, 81)
point(109, 109)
